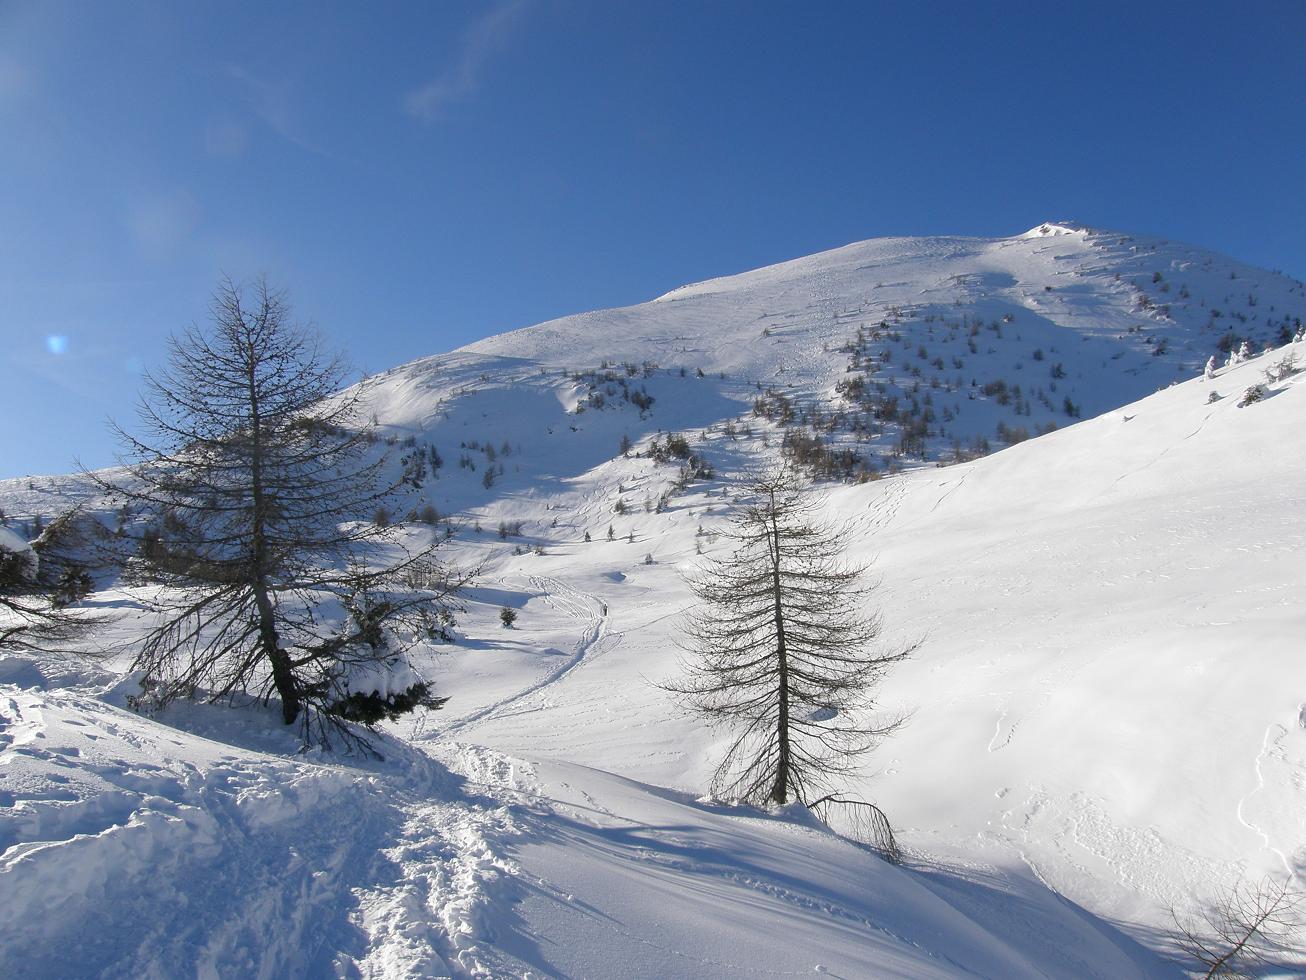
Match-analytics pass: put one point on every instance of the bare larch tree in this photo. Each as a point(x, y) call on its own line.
point(780, 649)
point(1248, 930)
point(260, 479)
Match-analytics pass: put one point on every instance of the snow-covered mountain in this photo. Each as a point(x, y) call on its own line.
point(947, 336)
point(1106, 713)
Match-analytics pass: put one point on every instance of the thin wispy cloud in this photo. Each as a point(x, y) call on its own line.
point(477, 48)
point(274, 103)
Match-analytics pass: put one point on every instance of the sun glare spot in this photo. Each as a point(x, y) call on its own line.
point(56, 343)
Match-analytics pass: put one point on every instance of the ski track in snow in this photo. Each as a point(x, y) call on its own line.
point(1279, 732)
point(950, 491)
point(574, 603)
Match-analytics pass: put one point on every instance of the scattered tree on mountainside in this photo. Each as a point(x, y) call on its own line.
point(263, 481)
point(779, 649)
point(40, 581)
point(31, 616)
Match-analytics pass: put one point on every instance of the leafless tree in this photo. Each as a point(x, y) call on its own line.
point(261, 480)
point(780, 650)
point(1246, 930)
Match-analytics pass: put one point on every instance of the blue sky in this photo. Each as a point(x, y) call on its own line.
point(421, 175)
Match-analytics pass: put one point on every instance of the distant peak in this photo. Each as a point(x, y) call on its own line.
point(1051, 228)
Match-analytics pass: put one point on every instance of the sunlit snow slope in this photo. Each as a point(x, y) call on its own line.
point(1033, 332)
point(1109, 694)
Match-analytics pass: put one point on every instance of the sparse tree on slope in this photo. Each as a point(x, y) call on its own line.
point(38, 585)
point(263, 482)
point(30, 619)
point(780, 650)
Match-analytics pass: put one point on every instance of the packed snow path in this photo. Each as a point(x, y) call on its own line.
point(594, 638)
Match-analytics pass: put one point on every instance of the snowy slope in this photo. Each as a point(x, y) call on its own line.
point(1063, 312)
point(137, 849)
point(1110, 693)
point(1105, 712)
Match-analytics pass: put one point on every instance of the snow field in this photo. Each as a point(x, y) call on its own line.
point(1104, 718)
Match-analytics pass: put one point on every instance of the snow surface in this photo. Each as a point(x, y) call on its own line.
point(1106, 717)
point(137, 849)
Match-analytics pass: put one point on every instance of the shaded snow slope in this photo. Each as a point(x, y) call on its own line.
point(1112, 684)
point(135, 849)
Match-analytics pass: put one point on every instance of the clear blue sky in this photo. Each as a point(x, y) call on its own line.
point(421, 175)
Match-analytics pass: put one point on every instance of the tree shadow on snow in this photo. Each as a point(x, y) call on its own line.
point(695, 850)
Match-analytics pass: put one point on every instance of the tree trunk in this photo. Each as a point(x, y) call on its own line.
point(780, 790)
point(283, 676)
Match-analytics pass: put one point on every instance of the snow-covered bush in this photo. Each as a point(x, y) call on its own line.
point(73, 585)
point(371, 678)
point(385, 703)
point(1252, 395)
point(32, 613)
point(1286, 367)
point(18, 562)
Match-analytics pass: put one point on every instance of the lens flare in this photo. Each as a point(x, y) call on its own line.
point(56, 343)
